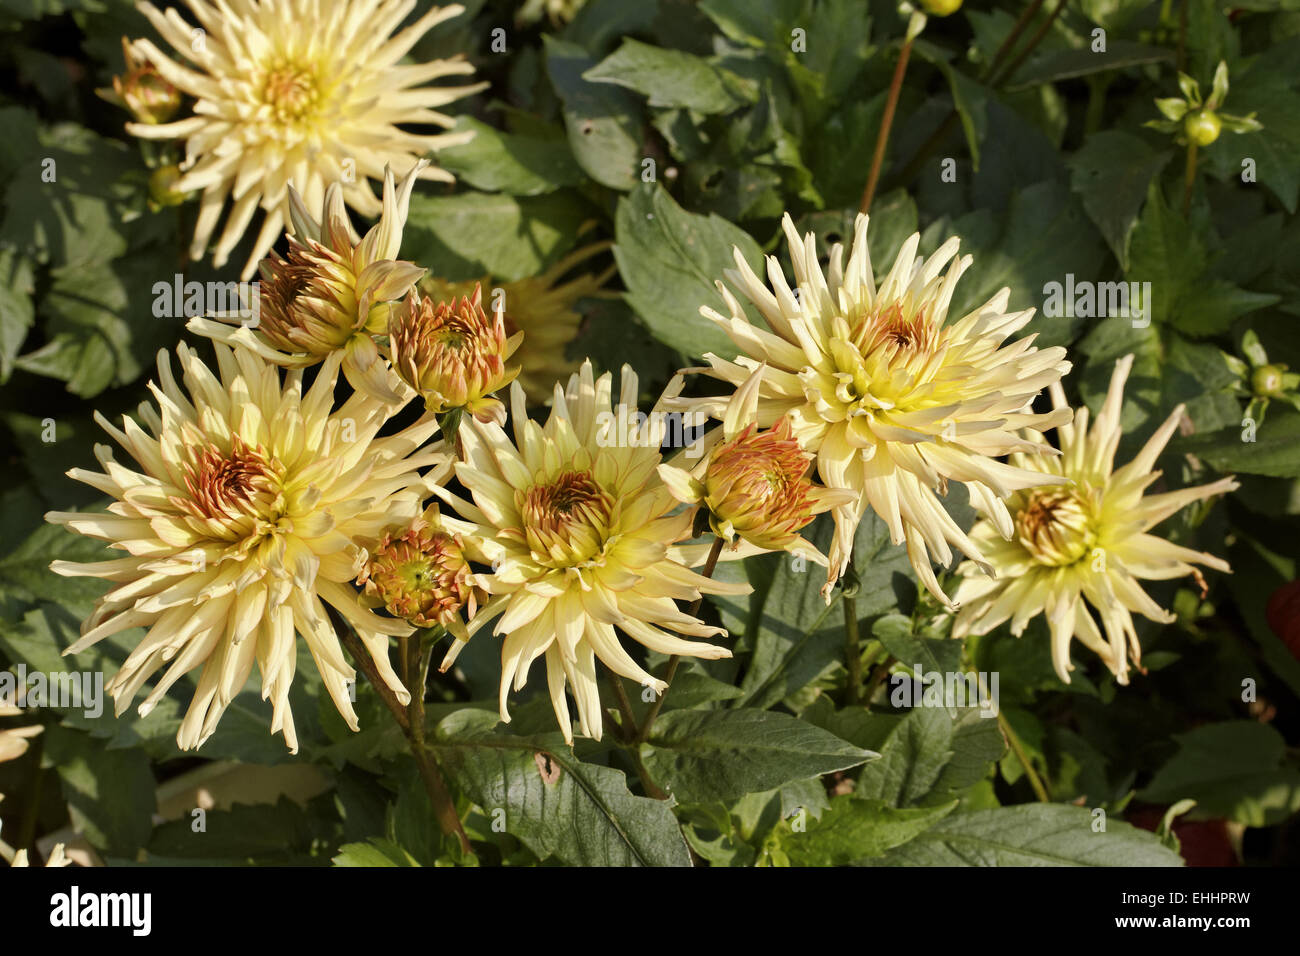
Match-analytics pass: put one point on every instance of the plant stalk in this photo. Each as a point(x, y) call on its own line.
point(886, 122)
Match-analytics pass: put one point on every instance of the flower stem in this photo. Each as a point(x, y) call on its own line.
point(411, 720)
point(886, 121)
point(852, 652)
point(1018, 748)
point(1189, 179)
point(710, 565)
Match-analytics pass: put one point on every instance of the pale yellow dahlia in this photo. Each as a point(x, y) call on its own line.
point(304, 91)
point(584, 540)
point(251, 510)
point(542, 307)
point(893, 399)
point(332, 292)
point(755, 484)
point(1061, 549)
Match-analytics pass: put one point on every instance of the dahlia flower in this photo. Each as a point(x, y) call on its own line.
point(419, 572)
point(1085, 543)
point(542, 307)
point(250, 509)
point(332, 291)
point(453, 355)
point(893, 399)
point(308, 91)
point(584, 538)
point(755, 484)
point(142, 90)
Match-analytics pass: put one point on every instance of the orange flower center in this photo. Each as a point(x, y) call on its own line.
point(224, 486)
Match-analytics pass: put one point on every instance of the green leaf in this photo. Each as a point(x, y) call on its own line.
point(1275, 450)
point(894, 632)
point(604, 121)
point(969, 97)
point(110, 793)
point(700, 757)
point(374, 853)
point(74, 219)
point(263, 833)
point(852, 830)
point(1111, 174)
point(521, 165)
point(16, 312)
point(1052, 66)
point(670, 260)
point(1031, 835)
point(475, 234)
point(556, 805)
point(672, 78)
point(1043, 235)
point(1231, 769)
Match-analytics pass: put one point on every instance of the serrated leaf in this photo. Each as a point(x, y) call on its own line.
point(701, 757)
point(475, 234)
point(1111, 174)
point(520, 165)
point(1231, 769)
point(110, 793)
point(555, 804)
point(1030, 835)
point(603, 121)
point(853, 830)
point(670, 260)
point(671, 78)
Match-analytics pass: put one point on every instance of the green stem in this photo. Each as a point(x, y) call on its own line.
point(411, 719)
point(1009, 70)
point(1189, 179)
point(1018, 748)
point(852, 653)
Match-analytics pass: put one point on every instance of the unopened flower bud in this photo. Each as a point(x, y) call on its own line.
point(756, 486)
point(143, 90)
point(420, 575)
point(1201, 126)
point(453, 354)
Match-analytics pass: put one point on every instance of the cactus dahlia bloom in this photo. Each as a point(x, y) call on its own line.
point(755, 484)
point(419, 572)
point(453, 355)
point(249, 510)
point(542, 307)
point(583, 536)
point(308, 91)
point(893, 398)
point(1086, 543)
point(332, 291)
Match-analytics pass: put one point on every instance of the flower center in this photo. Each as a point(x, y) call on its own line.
point(566, 522)
point(1056, 527)
point(290, 91)
point(228, 486)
